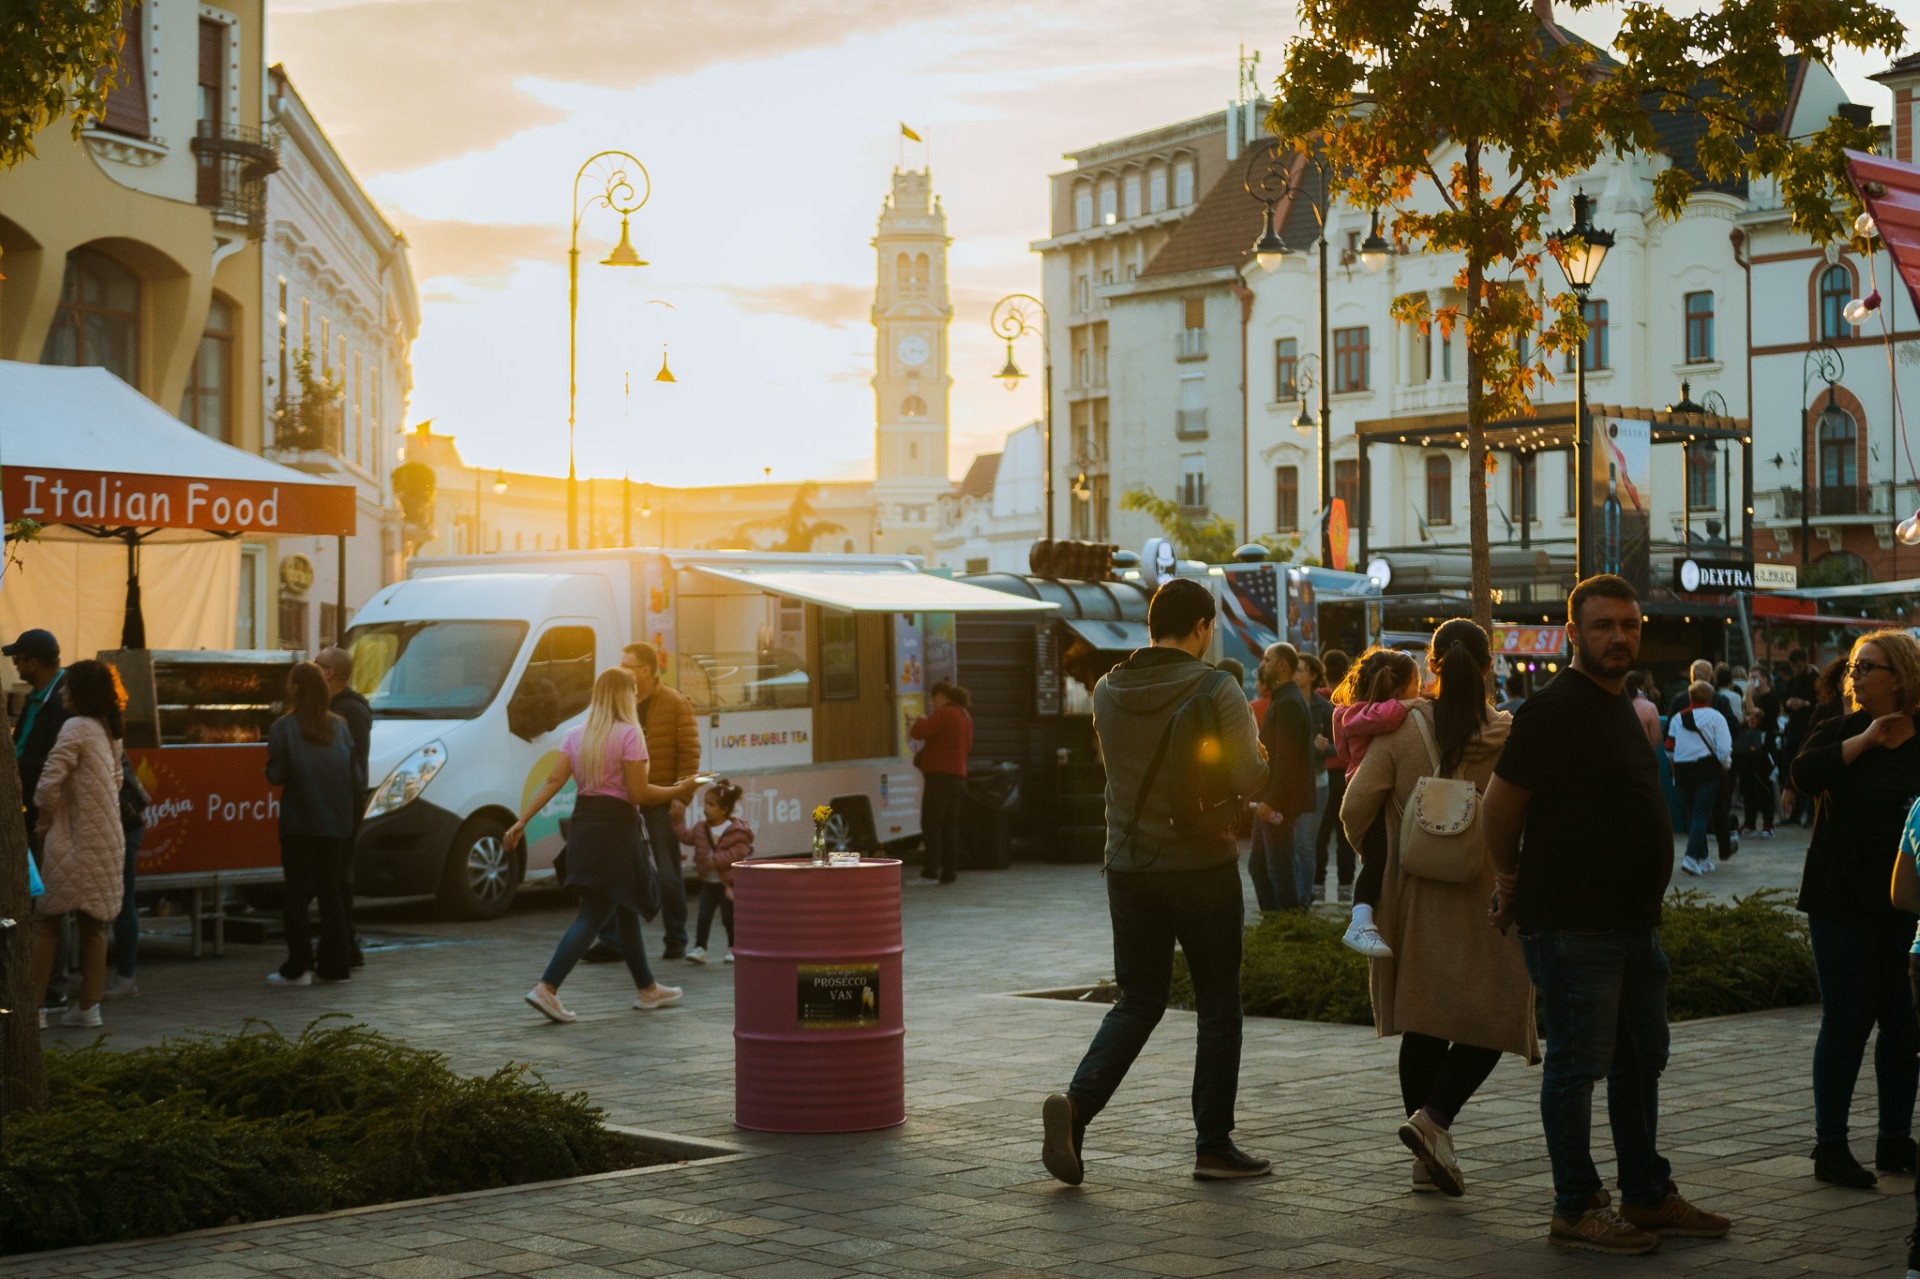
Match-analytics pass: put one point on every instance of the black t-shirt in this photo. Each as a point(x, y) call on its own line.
point(1800, 686)
point(1597, 848)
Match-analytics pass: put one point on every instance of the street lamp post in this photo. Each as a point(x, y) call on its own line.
point(1581, 249)
point(499, 486)
point(1825, 363)
point(1013, 319)
point(617, 192)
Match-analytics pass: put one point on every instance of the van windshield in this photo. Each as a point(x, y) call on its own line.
point(432, 670)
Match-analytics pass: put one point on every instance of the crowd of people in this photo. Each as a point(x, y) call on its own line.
point(1490, 903)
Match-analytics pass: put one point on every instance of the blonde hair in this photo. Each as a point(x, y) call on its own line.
point(1902, 652)
point(1700, 693)
point(613, 705)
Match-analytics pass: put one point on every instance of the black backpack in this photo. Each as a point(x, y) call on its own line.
point(1192, 748)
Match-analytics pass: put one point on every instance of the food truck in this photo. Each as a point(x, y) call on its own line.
point(804, 671)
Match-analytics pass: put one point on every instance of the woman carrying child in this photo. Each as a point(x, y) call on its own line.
point(718, 841)
point(1371, 700)
point(1454, 990)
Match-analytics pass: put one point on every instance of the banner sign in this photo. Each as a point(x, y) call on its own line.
point(1712, 577)
point(116, 499)
point(758, 739)
point(1529, 641)
point(209, 808)
point(1775, 577)
point(1620, 495)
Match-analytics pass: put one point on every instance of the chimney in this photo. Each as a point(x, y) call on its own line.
point(1903, 79)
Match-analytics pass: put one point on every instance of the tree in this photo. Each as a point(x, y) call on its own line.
point(56, 52)
point(311, 417)
point(414, 487)
point(1212, 542)
point(797, 530)
point(1393, 90)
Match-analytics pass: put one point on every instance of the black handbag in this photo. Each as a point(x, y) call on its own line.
point(133, 796)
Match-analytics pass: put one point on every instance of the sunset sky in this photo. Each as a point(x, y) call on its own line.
point(770, 129)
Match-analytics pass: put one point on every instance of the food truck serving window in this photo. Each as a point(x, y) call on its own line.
point(432, 670)
point(740, 650)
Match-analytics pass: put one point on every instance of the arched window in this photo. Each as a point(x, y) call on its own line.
point(1839, 463)
point(1836, 290)
point(1439, 489)
point(913, 406)
point(207, 404)
point(903, 273)
point(922, 271)
point(98, 321)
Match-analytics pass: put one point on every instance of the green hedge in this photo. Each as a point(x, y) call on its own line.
point(207, 1130)
point(1738, 957)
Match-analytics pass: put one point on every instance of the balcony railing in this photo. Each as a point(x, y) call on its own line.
point(1835, 501)
point(1191, 344)
point(1430, 397)
point(1190, 424)
point(234, 163)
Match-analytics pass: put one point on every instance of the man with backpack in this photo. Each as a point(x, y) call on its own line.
point(1182, 760)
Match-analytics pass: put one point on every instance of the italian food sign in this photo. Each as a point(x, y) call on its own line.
point(119, 500)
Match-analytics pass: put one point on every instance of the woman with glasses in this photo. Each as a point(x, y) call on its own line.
point(1861, 770)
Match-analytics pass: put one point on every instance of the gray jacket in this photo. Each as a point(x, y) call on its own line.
point(1132, 706)
point(321, 785)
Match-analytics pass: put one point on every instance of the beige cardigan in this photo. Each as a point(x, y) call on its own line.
point(85, 854)
point(1452, 975)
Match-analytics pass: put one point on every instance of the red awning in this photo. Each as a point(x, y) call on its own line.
point(1891, 192)
point(1780, 608)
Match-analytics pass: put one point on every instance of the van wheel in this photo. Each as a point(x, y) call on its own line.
point(480, 875)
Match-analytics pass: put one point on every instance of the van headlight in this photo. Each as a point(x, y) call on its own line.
point(405, 782)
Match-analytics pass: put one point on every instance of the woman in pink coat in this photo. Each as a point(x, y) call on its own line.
point(83, 849)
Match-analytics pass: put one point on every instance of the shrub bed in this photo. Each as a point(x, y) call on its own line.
point(208, 1130)
point(1739, 957)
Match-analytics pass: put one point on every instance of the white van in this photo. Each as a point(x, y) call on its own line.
point(804, 671)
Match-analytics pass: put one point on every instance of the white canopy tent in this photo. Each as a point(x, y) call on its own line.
point(127, 495)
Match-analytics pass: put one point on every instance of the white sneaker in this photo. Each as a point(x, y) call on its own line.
point(728, 959)
point(549, 1004)
point(119, 987)
point(78, 1016)
point(1706, 866)
point(665, 995)
point(1690, 866)
point(278, 978)
point(698, 955)
point(1366, 939)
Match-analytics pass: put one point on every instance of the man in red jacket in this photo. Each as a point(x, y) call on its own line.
point(945, 735)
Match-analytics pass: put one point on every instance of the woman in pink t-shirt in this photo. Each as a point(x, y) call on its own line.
point(607, 865)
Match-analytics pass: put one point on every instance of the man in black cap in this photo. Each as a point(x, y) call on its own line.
point(36, 658)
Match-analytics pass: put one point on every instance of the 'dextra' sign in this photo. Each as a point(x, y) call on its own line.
point(1712, 577)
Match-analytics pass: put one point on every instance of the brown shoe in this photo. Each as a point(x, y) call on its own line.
point(1600, 1229)
point(1675, 1218)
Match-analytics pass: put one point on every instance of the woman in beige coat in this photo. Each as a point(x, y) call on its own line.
point(83, 849)
point(1455, 990)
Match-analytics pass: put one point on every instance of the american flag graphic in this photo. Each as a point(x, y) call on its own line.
point(1251, 604)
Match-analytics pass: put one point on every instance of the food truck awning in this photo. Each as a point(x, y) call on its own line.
point(1891, 192)
point(1110, 636)
point(876, 591)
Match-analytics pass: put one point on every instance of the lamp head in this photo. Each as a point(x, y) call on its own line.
point(499, 481)
point(1583, 247)
point(1374, 249)
point(1303, 421)
point(665, 374)
point(1269, 249)
point(1010, 373)
point(1686, 404)
point(623, 253)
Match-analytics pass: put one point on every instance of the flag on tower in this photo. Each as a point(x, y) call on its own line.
point(908, 133)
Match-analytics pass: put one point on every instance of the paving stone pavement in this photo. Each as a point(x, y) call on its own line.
point(958, 1190)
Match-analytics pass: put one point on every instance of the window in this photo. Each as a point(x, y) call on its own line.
point(206, 406)
point(326, 342)
point(1523, 490)
point(1699, 307)
point(429, 670)
point(1836, 290)
point(1839, 459)
point(1701, 471)
point(1446, 356)
point(1350, 359)
point(1286, 498)
point(210, 106)
point(280, 387)
point(1286, 368)
point(839, 656)
point(1130, 196)
point(1082, 293)
point(1082, 207)
point(306, 324)
point(127, 88)
point(740, 650)
point(557, 684)
point(359, 416)
point(1183, 185)
point(1439, 489)
point(1157, 191)
point(1599, 350)
point(329, 623)
point(98, 319)
point(913, 406)
point(1109, 204)
point(1346, 486)
point(1193, 480)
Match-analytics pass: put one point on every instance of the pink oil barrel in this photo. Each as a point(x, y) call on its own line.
point(818, 1036)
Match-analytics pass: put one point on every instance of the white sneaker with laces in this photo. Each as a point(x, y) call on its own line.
point(698, 955)
point(1690, 866)
point(1366, 939)
point(1707, 867)
point(119, 987)
point(729, 958)
point(78, 1016)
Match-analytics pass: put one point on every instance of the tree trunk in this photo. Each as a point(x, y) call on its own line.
point(23, 1083)
point(1482, 588)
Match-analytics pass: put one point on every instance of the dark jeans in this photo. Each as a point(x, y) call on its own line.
point(713, 897)
point(1201, 910)
point(1282, 839)
point(1863, 968)
point(599, 911)
point(1603, 997)
point(126, 925)
point(1756, 795)
point(1260, 865)
point(656, 827)
point(1373, 864)
point(940, 802)
point(1722, 825)
point(1332, 831)
point(312, 867)
point(1699, 783)
point(1441, 1076)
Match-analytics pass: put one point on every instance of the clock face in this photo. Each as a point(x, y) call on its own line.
point(913, 350)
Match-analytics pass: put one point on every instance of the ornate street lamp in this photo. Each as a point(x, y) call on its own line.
point(613, 188)
point(1826, 364)
point(1580, 249)
point(1014, 317)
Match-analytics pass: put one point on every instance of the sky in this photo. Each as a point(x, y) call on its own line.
point(769, 129)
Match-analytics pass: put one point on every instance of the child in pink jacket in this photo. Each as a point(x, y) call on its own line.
point(1371, 702)
point(718, 841)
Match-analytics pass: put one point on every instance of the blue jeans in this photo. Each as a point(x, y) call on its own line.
point(713, 897)
point(1862, 966)
point(1282, 876)
point(126, 925)
point(1603, 997)
point(1260, 865)
point(1200, 909)
point(1306, 845)
point(598, 910)
point(1699, 783)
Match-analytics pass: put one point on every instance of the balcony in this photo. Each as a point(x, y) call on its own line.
point(1190, 424)
point(1430, 397)
point(1864, 501)
point(234, 163)
point(1190, 344)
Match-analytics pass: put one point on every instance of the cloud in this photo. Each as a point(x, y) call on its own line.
point(480, 252)
point(402, 83)
point(832, 306)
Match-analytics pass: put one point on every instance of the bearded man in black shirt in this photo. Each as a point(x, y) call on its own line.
point(1577, 828)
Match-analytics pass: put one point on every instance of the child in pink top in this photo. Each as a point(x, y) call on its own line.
point(1371, 702)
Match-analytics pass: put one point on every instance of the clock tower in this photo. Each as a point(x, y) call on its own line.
point(911, 312)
